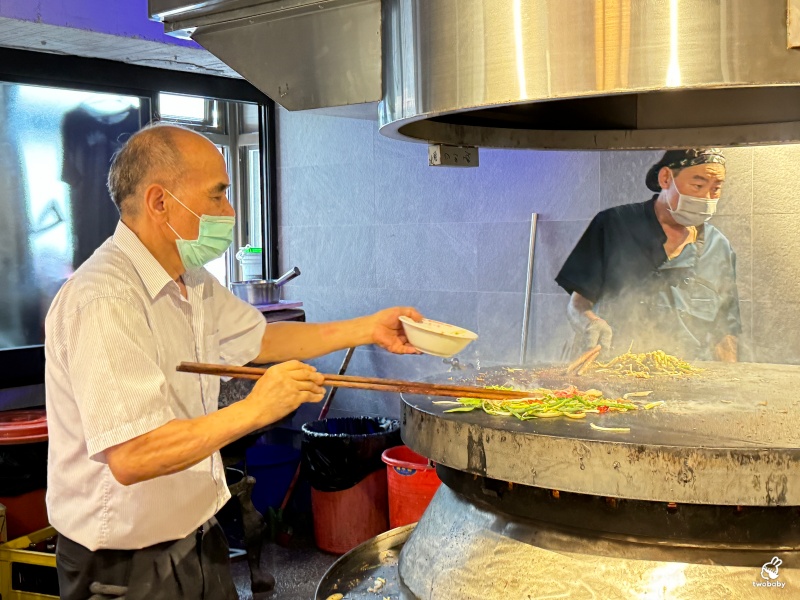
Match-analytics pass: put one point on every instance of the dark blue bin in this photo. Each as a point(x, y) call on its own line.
point(273, 466)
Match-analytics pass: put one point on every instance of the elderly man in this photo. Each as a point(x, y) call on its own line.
point(135, 476)
point(656, 274)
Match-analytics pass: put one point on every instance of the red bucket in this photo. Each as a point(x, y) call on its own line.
point(412, 484)
point(345, 519)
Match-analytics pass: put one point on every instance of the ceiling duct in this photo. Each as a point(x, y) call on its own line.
point(584, 74)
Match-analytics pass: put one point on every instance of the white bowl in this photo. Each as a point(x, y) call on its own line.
point(438, 339)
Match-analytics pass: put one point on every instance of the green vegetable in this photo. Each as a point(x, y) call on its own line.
point(545, 404)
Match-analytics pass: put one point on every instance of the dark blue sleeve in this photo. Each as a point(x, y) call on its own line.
point(584, 269)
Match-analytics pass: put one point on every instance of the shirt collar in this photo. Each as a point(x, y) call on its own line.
point(657, 231)
point(153, 275)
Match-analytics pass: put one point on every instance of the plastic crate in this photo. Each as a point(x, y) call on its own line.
point(27, 574)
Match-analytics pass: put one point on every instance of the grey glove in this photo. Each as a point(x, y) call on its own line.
point(596, 332)
point(102, 591)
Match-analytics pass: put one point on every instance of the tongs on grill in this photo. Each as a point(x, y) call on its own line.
point(584, 361)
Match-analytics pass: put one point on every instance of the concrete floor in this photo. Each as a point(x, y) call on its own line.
point(297, 570)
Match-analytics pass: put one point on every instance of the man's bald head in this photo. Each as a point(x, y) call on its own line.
point(153, 155)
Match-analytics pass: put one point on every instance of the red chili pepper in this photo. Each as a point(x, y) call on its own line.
point(602, 409)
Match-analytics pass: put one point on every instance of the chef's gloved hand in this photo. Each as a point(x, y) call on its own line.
point(727, 350)
point(103, 591)
point(596, 333)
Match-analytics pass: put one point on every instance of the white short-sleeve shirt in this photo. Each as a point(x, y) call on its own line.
point(113, 337)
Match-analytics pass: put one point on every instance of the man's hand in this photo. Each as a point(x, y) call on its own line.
point(387, 330)
point(284, 387)
point(596, 333)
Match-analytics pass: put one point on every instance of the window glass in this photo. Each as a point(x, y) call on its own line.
point(219, 268)
point(182, 108)
point(55, 149)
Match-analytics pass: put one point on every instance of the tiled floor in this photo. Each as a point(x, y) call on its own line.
point(297, 570)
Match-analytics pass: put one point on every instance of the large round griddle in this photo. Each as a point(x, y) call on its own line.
point(728, 436)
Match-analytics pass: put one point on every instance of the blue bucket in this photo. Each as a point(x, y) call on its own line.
point(273, 466)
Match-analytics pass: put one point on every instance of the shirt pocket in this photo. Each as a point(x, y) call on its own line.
point(702, 299)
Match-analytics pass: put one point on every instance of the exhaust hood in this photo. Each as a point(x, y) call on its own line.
point(553, 74)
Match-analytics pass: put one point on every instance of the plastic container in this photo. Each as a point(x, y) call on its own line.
point(23, 470)
point(342, 462)
point(252, 265)
point(273, 467)
point(345, 519)
point(412, 484)
point(23, 426)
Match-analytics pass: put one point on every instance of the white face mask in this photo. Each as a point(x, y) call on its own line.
point(690, 210)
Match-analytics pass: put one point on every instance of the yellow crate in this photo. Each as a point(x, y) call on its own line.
point(16, 551)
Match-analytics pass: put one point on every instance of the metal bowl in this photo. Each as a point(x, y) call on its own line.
point(257, 291)
point(263, 291)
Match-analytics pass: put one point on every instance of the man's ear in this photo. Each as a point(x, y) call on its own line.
point(665, 178)
point(155, 203)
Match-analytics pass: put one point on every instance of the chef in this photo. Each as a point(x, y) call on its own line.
point(656, 274)
point(135, 475)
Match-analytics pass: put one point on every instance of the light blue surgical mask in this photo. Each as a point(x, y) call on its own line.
point(214, 238)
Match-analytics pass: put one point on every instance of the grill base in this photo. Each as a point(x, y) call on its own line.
point(465, 548)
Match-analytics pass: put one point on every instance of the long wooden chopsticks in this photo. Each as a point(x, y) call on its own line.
point(367, 383)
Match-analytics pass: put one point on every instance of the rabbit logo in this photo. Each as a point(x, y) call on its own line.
point(770, 573)
point(770, 569)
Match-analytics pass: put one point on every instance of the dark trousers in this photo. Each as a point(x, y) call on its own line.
point(194, 568)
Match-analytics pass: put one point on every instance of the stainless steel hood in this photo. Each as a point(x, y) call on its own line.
point(563, 74)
